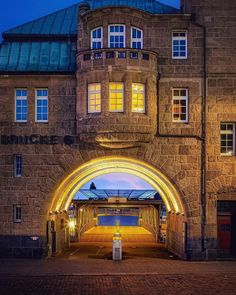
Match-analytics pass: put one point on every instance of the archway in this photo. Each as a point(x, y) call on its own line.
point(176, 235)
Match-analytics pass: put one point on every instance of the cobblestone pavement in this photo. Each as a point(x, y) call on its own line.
point(87, 270)
point(119, 285)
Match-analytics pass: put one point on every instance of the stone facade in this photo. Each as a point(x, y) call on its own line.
point(188, 154)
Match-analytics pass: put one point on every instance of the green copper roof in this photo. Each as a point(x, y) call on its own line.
point(64, 22)
point(48, 56)
point(48, 44)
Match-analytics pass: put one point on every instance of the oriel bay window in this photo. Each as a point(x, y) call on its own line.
point(116, 35)
point(116, 97)
point(227, 137)
point(136, 38)
point(180, 105)
point(138, 98)
point(96, 38)
point(94, 98)
point(21, 105)
point(42, 105)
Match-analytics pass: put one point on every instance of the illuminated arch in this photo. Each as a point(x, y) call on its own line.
point(86, 172)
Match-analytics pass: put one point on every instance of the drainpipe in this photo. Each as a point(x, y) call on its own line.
point(201, 138)
point(203, 155)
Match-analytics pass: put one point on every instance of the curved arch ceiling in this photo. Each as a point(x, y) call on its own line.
point(86, 172)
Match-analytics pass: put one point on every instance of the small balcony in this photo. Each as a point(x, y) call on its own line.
point(123, 58)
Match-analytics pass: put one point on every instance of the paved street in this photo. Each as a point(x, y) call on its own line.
point(87, 269)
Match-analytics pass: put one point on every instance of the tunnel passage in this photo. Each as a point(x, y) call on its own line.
point(59, 214)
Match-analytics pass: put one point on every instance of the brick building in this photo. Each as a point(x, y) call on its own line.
point(127, 86)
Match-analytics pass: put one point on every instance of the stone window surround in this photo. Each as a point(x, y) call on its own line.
point(228, 132)
point(36, 104)
point(17, 213)
point(96, 39)
point(95, 92)
point(184, 98)
point(116, 91)
point(136, 39)
point(143, 99)
point(185, 38)
point(125, 94)
point(116, 34)
point(17, 165)
point(131, 27)
point(21, 98)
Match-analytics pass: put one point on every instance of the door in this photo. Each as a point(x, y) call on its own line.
point(224, 232)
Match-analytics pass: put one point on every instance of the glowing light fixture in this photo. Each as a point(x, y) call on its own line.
point(86, 172)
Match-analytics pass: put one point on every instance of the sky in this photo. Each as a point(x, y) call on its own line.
point(18, 12)
point(118, 181)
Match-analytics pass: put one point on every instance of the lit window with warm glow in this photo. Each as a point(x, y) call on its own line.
point(116, 96)
point(94, 98)
point(180, 105)
point(138, 98)
point(227, 139)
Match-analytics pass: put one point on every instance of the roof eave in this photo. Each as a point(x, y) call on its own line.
point(37, 73)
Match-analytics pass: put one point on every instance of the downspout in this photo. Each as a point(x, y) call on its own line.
point(202, 138)
point(203, 155)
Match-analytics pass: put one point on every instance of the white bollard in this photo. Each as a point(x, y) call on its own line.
point(117, 247)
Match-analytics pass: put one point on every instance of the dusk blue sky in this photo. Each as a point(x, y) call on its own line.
point(17, 12)
point(118, 181)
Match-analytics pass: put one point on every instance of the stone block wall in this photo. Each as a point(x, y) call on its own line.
point(46, 166)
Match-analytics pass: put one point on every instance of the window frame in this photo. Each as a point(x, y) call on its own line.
point(180, 38)
point(234, 138)
point(136, 39)
point(17, 170)
point(36, 100)
point(186, 98)
point(116, 33)
point(112, 91)
point(94, 92)
point(144, 98)
point(18, 98)
point(96, 39)
point(17, 215)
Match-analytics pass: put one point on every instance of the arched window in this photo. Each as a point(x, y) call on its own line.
point(136, 38)
point(96, 38)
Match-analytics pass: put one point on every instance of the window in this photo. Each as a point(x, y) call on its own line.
point(180, 105)
point(17, 165)
point(17, 213)
point(138, 98)
point(116, 95)
point(179, 45)
point(133, 55)
point(227, 136)
point(136, 38)
point(96, 38)
point(116, 36)
point(94, 98)
point(21, 105)
point(41, 105)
